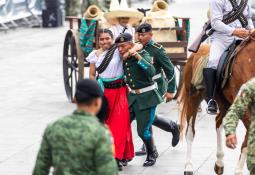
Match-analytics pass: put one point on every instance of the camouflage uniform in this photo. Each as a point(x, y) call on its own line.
point(76, 144)
point(244, 100)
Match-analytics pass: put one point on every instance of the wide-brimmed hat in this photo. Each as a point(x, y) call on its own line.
point(122, 10)
point(93, 12)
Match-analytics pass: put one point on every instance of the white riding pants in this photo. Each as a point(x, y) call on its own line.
point(218, 46)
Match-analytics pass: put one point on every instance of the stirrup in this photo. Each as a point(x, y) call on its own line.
point(212, 112)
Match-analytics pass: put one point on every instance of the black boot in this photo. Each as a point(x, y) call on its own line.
point(119, 165)
point(168, 126)
point(176, 133)
point(124, 162)
point(142, 151)
point(151, 158)
point(210, 79)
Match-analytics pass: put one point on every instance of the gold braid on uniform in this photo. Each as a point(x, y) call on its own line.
point(157, 45)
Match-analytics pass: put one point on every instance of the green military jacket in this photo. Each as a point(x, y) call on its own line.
point(139, 75)
point(162, 62)
point(76, 144)
point(244, 100)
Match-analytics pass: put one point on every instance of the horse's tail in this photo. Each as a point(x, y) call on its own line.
point(189, 99)
point(183, 98)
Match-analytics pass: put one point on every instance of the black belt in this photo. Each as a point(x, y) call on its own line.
point(114, 85)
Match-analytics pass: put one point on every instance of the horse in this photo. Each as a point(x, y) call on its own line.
point(190, 99)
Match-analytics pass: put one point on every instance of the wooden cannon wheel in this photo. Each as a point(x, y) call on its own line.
point(73, 63)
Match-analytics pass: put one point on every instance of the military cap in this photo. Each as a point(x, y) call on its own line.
point(87, 88)
point(123, 37)
point(143, 28)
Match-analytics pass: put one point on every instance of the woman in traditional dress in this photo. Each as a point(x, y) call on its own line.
point(107, 66)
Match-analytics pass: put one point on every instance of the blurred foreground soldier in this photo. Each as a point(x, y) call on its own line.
point(166, 85)
point(244, 100)
point(144, 96)
point(78, 144)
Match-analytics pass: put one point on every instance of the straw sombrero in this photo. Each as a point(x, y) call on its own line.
point(121, 10)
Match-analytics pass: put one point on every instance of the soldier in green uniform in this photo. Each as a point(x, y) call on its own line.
point(244, 100)
point(78, 144)
point(166, 84)
point(144, 96)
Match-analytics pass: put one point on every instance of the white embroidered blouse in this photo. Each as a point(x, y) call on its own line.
point(115, 67)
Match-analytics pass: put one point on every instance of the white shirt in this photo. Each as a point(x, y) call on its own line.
point(118, 29)
point(115, 67)
point(219, 8)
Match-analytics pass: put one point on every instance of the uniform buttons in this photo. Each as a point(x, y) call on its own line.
point(131, 80)
point(127, 68)
point(126, 64)
point(133, 85)
point(129, 75)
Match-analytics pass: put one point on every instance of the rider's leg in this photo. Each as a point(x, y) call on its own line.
point(218, 46)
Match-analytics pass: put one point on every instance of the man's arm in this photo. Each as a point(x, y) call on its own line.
point(250, 23)
point(216, 8)
point(164, 62)
point(44, 159)
point(145, 62)
point(103, 157)
point(239, 107)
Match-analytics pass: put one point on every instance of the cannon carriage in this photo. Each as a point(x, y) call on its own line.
point(74, 59)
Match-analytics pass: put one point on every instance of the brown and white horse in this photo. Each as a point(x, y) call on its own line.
point(243, 70)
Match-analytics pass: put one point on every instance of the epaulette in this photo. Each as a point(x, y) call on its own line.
point(157, 45)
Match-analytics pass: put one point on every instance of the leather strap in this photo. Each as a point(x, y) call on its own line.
point(239, 11)
point(108, 57)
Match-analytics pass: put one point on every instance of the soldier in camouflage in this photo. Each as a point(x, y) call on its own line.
point(78, 144)
point(244, 100)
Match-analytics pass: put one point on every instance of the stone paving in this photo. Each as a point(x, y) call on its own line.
point(32, 96)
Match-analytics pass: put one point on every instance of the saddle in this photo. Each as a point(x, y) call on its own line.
point(224, 69)
point(225, 65)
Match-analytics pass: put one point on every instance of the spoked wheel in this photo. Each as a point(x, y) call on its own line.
point(70, 65)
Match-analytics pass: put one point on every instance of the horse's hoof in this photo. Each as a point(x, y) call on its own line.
point(218, 170)
point(188, 172)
